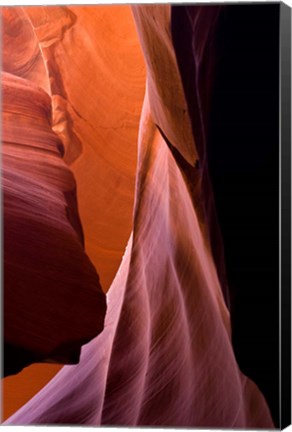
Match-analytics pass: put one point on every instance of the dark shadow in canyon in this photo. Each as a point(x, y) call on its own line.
point(237, 80)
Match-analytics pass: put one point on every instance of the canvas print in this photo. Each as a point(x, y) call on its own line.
point(140, 181)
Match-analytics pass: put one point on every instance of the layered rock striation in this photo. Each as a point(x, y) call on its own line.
point(165, 355)
point(53, 302)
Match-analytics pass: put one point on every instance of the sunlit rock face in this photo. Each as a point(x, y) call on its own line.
point(96, 110)
point(165, 356)
point(106, 163)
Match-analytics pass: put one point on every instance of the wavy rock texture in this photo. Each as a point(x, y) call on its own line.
point(106, 145)
point(98, 118)
point(50, 284)
point(165, 356)
point(21, 55)
point(166, 324)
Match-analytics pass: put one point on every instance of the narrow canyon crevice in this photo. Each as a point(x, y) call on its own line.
point(112, 131)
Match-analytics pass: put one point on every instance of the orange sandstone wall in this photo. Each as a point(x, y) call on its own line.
point(89, 60)
point(165, 356)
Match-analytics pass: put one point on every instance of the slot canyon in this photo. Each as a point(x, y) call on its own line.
point(140, 216)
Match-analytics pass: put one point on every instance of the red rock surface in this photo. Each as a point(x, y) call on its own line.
point(166, 345)
point(96, 111)
point(106, 145)
point(50, 286)
point(165, 356)
point(21, 54)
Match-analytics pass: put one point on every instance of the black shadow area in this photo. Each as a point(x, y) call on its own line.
point(242, 147)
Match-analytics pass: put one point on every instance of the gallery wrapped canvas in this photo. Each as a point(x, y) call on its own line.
point(146, 215)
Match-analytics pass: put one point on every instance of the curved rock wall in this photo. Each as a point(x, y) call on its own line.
point(165, 356)
point(50, 284)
